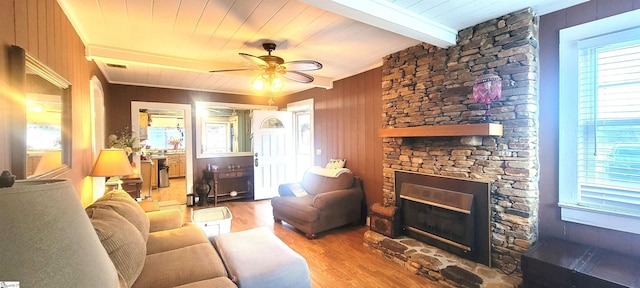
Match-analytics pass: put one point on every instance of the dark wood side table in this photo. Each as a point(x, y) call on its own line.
point(132, 185)
point(230, 184)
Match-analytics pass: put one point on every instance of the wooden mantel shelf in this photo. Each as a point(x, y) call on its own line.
point(483, 129)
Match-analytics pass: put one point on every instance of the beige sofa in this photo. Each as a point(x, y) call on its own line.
point(155, 249)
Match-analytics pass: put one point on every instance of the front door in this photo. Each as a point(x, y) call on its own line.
point(272, 151)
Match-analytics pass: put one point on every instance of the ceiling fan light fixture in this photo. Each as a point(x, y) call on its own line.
point(276, 84)
point(266, 81)
point(260, 82)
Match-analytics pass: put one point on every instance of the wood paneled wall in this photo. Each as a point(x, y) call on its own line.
point(549, 213)
point(44, 31)
point(346, 123)
point(118, 111)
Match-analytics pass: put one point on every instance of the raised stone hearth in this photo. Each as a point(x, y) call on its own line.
point(439, 266)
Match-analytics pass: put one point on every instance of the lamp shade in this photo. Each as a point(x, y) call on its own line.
point(51, 159)
point(48, 240)
point(487, 88)
point(112, 162)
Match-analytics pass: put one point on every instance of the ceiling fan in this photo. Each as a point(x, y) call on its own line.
point(274, 66)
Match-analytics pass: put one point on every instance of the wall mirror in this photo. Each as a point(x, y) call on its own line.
point(224, 129)
point(41, 122)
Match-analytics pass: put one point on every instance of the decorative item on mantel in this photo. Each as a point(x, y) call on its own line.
point(486, 89)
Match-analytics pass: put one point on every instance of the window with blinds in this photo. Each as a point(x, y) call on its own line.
point(608, 124)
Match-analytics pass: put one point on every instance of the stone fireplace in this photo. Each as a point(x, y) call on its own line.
point(427, 86)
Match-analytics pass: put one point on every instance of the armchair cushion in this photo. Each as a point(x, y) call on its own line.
point(299, 208)
point(292, 189)
point(315, 184)
point(338, 199)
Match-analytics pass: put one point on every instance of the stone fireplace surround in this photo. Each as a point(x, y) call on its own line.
point(426, 86)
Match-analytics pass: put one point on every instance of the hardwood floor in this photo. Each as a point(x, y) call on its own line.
point(337, 258)
point(176, 191)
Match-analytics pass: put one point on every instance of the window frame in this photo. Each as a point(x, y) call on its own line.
point(568, 121)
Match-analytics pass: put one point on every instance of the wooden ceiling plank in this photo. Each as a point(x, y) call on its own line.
point(254, 24)
point(189, 15)
point(232, 23)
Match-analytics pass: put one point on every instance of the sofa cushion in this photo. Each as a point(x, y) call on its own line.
point(315, 184)
point(181, 266)
point(171, 239)
point(121, 202)
point(121, 240)
point(220, 282)
point(164, 220)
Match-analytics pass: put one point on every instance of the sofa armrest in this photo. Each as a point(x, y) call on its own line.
point(338, 198)
point(164, 220)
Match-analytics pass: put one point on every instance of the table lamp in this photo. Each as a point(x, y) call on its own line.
point(112, 163)
point(51, 159)
point(47, 239)
point(486, 89)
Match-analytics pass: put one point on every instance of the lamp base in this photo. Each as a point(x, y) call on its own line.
point(114, 182)
point(487, 119)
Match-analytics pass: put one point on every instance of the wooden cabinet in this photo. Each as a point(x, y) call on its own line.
point(172, 162)
point(227, 185)
point(146, 170)
point(32, 163)
point(177, 165)
point(556, 263)
point(182, 165)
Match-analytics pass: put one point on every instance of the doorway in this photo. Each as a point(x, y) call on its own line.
point(167, 148)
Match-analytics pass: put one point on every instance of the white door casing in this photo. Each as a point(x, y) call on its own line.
point(135, 122)
point(272, 151)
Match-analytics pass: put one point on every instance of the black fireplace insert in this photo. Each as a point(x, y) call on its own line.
point(449, 213)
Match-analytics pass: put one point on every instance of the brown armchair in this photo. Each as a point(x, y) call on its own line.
point(321, 203)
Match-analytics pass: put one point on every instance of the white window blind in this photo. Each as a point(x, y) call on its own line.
point(608, 124)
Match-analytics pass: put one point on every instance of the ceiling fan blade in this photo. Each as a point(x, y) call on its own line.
point(302, 65)
point(231, 70)
point(298, 76)
point(254, 59)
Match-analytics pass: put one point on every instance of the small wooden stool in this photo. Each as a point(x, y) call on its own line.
point(385, 220)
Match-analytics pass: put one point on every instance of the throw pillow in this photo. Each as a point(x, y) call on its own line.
point(297, 190)
point(121, 240)
point(120, 202)
point(336, 163)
